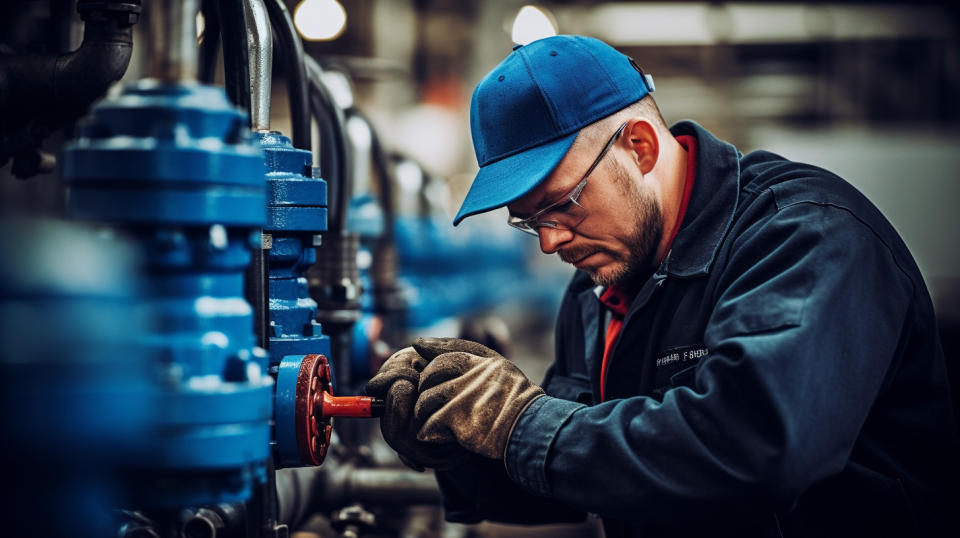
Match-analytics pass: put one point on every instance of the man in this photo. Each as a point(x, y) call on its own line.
point(747, 349)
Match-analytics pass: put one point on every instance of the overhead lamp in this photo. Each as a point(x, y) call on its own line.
point(532, 23)
point(320, 20)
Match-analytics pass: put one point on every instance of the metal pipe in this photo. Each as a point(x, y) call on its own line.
point(39, 93)
point(305, 490)
point(392, 486)
point(260, 53)
point(173, 36)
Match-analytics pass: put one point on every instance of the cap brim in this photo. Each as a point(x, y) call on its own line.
point(501, 182)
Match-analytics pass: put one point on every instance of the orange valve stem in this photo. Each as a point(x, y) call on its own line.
point(350, 406)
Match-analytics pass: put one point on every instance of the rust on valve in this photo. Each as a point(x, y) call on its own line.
point(316, 406)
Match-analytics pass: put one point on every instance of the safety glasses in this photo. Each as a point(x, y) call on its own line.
point(567, 212)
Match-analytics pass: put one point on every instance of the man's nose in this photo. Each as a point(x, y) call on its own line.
point(551, 239)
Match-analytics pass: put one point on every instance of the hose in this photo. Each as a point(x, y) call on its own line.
point(381, 163)
point(209, 44)
point(334, 156)
point(290, 49)
point(236, 69)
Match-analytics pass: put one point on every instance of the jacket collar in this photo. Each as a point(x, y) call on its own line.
point(712, 205)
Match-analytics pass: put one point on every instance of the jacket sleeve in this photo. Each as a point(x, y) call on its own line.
point(479, 489)
point(804, 328)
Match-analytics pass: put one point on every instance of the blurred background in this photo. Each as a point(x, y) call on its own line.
point(868, 90)
point(865, 89)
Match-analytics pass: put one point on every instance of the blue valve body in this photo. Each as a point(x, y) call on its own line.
point(176, 167)
point(296, 213)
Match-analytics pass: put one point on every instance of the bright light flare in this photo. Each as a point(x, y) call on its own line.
point(532, 23)
point(320, 20)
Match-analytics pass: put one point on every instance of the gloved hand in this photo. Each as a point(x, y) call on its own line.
point(474, 397)
point(396, 383)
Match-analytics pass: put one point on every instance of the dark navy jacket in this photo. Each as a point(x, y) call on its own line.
point(778, 375)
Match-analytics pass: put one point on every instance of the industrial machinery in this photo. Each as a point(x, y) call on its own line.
point(181, 338)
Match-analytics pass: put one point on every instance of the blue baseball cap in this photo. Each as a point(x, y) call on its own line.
point(526, 113)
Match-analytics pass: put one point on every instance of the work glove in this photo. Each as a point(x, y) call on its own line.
point(396, 383)
point(471, 394)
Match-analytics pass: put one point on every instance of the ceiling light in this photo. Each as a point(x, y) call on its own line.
point(320, 20)
point(532, 23)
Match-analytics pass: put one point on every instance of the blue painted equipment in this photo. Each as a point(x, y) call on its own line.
point(175, 166)
point(296, 213)
point(459, 272)
point(76, 396)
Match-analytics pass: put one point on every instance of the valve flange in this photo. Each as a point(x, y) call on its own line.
point(313, 429)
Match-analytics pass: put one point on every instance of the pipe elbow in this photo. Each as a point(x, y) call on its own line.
point(84, 75)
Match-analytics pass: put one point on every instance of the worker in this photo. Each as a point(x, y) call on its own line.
point(747, 348)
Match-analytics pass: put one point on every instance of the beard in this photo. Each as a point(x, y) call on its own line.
point(641, 242)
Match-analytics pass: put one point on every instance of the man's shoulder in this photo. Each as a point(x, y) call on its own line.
point(777, 190)
point(791, 183)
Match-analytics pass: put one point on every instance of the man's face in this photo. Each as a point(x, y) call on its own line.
point(617, 241)
point(621, 242)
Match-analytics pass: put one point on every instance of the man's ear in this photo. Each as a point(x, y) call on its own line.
point(645, 143)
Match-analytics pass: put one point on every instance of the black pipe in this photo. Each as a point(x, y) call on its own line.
point(236, 67)
point(209, 43)
point(43, 92)
point(388, 297)
point(257, 292)
point(290, 50)
point(327, 152)
point(334, 281)
point(61, 19)
point(339, 181)
point(381, 163)
point(306, 490)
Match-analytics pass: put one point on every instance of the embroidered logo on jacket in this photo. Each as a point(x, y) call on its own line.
point(676, 367)
point(681, 355)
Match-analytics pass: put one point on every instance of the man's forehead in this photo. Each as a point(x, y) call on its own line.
point(547, 191)
point(560, 181)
